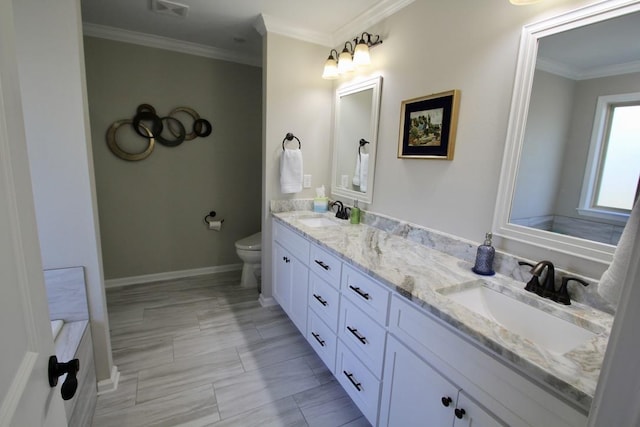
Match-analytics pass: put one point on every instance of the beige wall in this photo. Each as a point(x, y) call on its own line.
point(51, 64)
point(151, 211)
point(297, 100)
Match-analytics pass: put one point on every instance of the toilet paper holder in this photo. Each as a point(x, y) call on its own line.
point(209, 217)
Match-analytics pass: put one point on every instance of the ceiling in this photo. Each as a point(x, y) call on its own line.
point(608, 47)
point(227, 28)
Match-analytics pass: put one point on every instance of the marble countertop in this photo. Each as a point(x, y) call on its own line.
point(426, 276)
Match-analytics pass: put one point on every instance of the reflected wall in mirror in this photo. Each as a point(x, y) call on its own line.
point(355, 133)
point(562, 132)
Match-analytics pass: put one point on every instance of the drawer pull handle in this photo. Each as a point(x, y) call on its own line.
point(285, 259)
point(322, 264)
point(359, 292)
point(355, 333)
point(356, 384)
point(320, 300)
point(459, 413)
point(446, 401)
point(317, 337)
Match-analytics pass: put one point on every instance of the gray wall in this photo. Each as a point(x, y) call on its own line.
point(542, 155)
point(151, 211)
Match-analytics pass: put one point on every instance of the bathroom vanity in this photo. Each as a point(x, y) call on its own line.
point(400, 326)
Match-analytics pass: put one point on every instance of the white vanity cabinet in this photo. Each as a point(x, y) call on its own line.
point(401, 365)
point(291, 274)
point(416, 394)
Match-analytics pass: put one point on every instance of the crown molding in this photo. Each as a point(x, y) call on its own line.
point(563, 70)
point(268, 23)
point(150, 40)
point(369, 18)
point(372, 16)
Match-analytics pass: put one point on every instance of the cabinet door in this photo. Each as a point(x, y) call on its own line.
point(470, 414)
point(414, 394)
point(299, 282)
point(282, 277)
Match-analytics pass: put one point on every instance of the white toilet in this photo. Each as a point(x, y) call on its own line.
point(249, 250)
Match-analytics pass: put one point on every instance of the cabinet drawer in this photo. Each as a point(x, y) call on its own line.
point(325, 265)
point(360, 385)
point(363, 336)
point(293, 242)
point(323, 340)
point(323, 299)
point(368, 295)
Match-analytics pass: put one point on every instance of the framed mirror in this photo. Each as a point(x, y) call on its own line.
point(355, 133)
point(560, 128)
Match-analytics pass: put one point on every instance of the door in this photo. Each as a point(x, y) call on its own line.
point(282, 277)
point(26, 399)
point(414, 394)
point(470, 414)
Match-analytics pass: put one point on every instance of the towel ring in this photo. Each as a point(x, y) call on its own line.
point(289, 137)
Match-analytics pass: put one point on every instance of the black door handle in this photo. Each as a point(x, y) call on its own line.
point(70, 384)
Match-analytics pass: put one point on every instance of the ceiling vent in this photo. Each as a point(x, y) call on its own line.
point(169, 8)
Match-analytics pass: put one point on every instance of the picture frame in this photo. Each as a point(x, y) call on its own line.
point(428, 126)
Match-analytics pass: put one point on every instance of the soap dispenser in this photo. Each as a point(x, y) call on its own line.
point(484, 257)
point(355, 213)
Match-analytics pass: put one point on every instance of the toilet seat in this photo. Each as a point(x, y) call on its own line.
point(250, 243)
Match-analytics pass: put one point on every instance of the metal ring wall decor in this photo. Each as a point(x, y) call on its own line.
point(149, 125)
point(115, 148)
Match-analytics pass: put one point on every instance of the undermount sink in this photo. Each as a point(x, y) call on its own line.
point(552, 333)
point(317, 222)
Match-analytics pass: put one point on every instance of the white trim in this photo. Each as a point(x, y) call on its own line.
point(111, 383)
point(169, 275)
point(267, 301)
point(159, 42)
point(283, 27)
point(17, 388)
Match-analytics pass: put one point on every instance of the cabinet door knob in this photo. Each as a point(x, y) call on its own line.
point(459, 413)
point(285, 259)
point(446, 401)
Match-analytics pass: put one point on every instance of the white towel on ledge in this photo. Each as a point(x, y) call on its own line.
point(291, 171)
point(356, 173)
point(610, 286)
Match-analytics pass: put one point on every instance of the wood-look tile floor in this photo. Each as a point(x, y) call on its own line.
point(202, 352)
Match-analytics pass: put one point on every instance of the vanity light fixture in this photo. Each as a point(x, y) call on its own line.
point(350, 57)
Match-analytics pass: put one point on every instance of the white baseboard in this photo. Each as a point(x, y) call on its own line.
point(147, 278)
point(110, 384)
point(267, 301)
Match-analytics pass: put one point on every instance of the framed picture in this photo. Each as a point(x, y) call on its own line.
point(428, 126)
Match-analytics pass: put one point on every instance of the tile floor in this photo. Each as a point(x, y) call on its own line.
point(202, 352)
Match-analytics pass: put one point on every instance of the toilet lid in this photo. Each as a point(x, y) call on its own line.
point(251, 243)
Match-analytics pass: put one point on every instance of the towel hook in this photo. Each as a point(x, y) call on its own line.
point(289, 137)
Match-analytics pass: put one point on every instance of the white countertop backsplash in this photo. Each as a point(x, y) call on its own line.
point(420, 264)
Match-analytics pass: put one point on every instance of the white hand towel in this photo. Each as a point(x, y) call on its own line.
point(356, 173)
point(291, 171)
point(364, 171)
point(612, 279)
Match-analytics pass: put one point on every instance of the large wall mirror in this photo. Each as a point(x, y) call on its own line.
point(570, 173)
point(355, 133)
